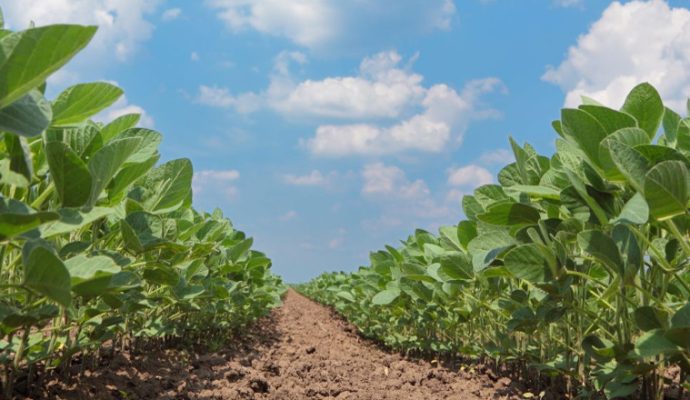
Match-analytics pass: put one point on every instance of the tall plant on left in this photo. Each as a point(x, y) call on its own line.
point(35, 283)
point(97, 243)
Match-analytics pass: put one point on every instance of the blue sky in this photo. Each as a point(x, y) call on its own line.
point(328, 128)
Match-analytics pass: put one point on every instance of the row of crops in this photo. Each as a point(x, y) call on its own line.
point(573, 266)
point(100, 246)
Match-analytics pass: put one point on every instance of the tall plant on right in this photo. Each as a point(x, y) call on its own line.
point(574, 265)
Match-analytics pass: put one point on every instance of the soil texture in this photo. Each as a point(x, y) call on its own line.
point(302, 351)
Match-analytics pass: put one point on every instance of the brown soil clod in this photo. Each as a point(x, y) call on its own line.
point(302, 351)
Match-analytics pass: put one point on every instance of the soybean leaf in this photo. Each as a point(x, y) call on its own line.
point(150, 140)
point(28, 57)
point(82, 267)
point(450, 234)
point(45, 273)
point(118, 125)
point(455, 267)
point(666, 189)
point(240, 249)
point(147, 229)
point(70, 175)
point(79, 102)
point(583, 129)
point(536, 191)
point(107, 161)
point(85, 140)
point(510, 214)
point(385, 297)
point(629, 137)
point(670, 123)
point(509, 175)
point(71, 219)
point(17, 218)
point(630, 163)
point(526, 262)
point(601, 247)
point(467, 230)
point(471, 207)
point(127, 176)
point(644, 103)
point(635, 211)
point(681, 319)
point(654, 343)
point(170, 184)
point(610, 119)
point(649, 318)
point(28, 116)
point(20, 156)
point(484, 248)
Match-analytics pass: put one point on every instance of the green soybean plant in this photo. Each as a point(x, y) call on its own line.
point(571, 269)
point(99, 243)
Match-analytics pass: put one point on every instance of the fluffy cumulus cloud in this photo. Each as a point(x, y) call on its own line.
point(218, 181)
point(318, 24)
point(463, 180)
point(382, 180)
point(380, 90)
point(631, 43)
point(383, 109)
point(470, 175)
point(398, 195)
point(122, 23)
point(444, 116)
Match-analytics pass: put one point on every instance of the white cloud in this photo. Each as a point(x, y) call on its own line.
point(380, 179)
point(469, 176)
point(320, 24)
point(171, 14)
point(314, 178)
point(305, 22)
point(398, 195)
point(290, 215)
point(121, 107)
point(220, 180)
point(194, 56)
point(381, 89)
point(498, 156)
point(420, 118)
point(631, 43)
point(443, 121)
point(122, 23)
point(220, 97)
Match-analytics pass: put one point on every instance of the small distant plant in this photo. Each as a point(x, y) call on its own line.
point(574, 267)
point(99, 242)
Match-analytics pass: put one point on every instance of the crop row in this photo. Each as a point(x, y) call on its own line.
point(99, 243)
point(574, 266)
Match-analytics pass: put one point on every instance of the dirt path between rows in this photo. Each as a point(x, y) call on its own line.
point(303, 351)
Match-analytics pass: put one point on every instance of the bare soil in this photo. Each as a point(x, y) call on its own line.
point(302, 351)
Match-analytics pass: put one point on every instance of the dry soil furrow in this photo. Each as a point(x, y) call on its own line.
point(303, 351)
